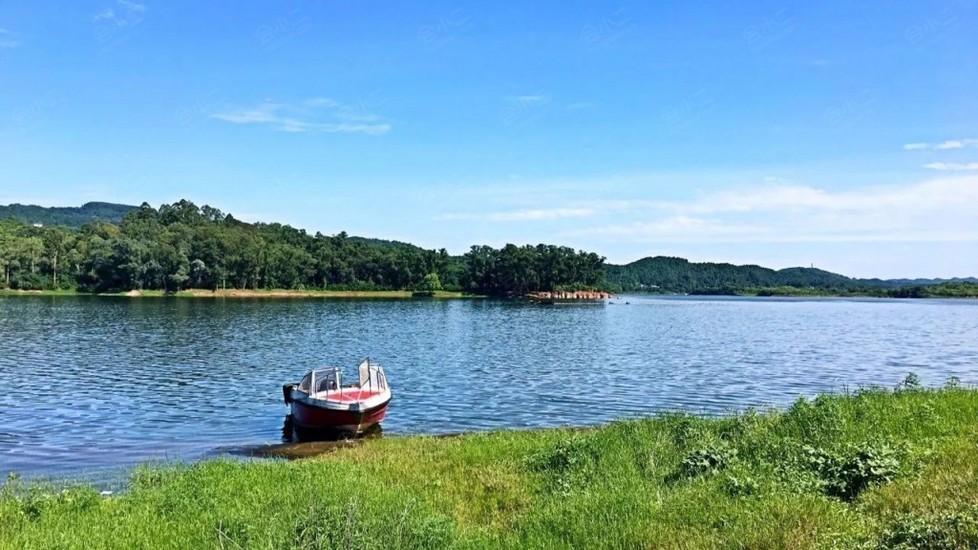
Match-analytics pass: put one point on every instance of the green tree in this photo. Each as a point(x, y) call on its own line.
point(431, 283)
point(57, 243)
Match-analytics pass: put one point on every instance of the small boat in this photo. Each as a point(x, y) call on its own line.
point(321, 402)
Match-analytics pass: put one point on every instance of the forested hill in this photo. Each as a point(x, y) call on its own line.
point(180, 246)
point(666, 274)
point(72, 216)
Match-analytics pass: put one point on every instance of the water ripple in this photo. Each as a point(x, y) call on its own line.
point(97, 384)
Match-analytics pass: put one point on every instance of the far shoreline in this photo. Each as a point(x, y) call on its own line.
point(451, 295)
point(239, 293)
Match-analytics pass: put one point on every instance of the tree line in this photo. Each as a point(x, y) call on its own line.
point(180, 246)
point(676, 275)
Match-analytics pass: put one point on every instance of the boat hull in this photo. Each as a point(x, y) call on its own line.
point(308, 416)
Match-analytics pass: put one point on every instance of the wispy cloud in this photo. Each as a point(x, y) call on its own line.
point(524, 215)
point(777, 211)
point(952, 166)
point(683, 227)
point(519, 111)
point(8, 40)
point(948, 145)
point(933, 210)
point(531, 98)
point(131, 6)
point(321, 102)
point(318, 114)
point(122, 13)
point(944, 145)
point(577, 106)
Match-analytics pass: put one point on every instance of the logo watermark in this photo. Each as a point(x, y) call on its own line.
point(770, 30)
point(932, 29)
point(118, 23)
point(521, 110)
point(41, 109)
point(282, 30)
point(854, 110)
point(191, 116)
point(607, 30)
point(691, 109)
point(444, 30)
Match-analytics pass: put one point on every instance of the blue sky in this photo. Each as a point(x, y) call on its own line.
point(778, 134)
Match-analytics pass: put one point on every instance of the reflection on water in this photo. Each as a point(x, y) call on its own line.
point(293, 433)
point(91, 384)
point(297, 443)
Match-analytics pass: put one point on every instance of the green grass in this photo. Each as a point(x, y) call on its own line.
point(60, 292)
point(876, 469)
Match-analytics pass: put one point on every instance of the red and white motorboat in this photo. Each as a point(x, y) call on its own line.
point(321, 402)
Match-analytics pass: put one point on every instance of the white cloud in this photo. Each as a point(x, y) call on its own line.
point(132, 6)
point(262, 113)
point(123, 13)
point(933, 210)
point(577, 106)
point(312, 115)
point(942, 146)
point(8, 40)
point(533, 98)
point(623, 211)
point(952, 166)
point(524, 215)
point(321, 102)
point(681, 227)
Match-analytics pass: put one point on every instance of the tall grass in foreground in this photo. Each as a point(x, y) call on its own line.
point(876, 469)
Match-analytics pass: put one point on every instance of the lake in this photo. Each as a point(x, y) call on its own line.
point(91, 385)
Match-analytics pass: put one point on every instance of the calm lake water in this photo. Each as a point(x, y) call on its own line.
point(92, 385)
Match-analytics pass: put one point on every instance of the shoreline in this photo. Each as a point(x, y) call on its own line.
point(540, 296)
point(239, 293)
point(855, 470)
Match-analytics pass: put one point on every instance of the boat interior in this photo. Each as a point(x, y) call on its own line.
point(327, 383)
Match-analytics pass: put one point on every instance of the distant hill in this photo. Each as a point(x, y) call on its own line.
point(666, 274)
point(71, 216)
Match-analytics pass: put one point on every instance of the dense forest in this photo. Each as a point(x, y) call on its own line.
point(180, 246)
point(103, 247)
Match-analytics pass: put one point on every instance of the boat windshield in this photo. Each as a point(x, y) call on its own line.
point(370, 377)
point(321, 380)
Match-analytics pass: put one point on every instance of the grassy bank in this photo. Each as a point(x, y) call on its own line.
point(238, 293)
point(874, 470)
